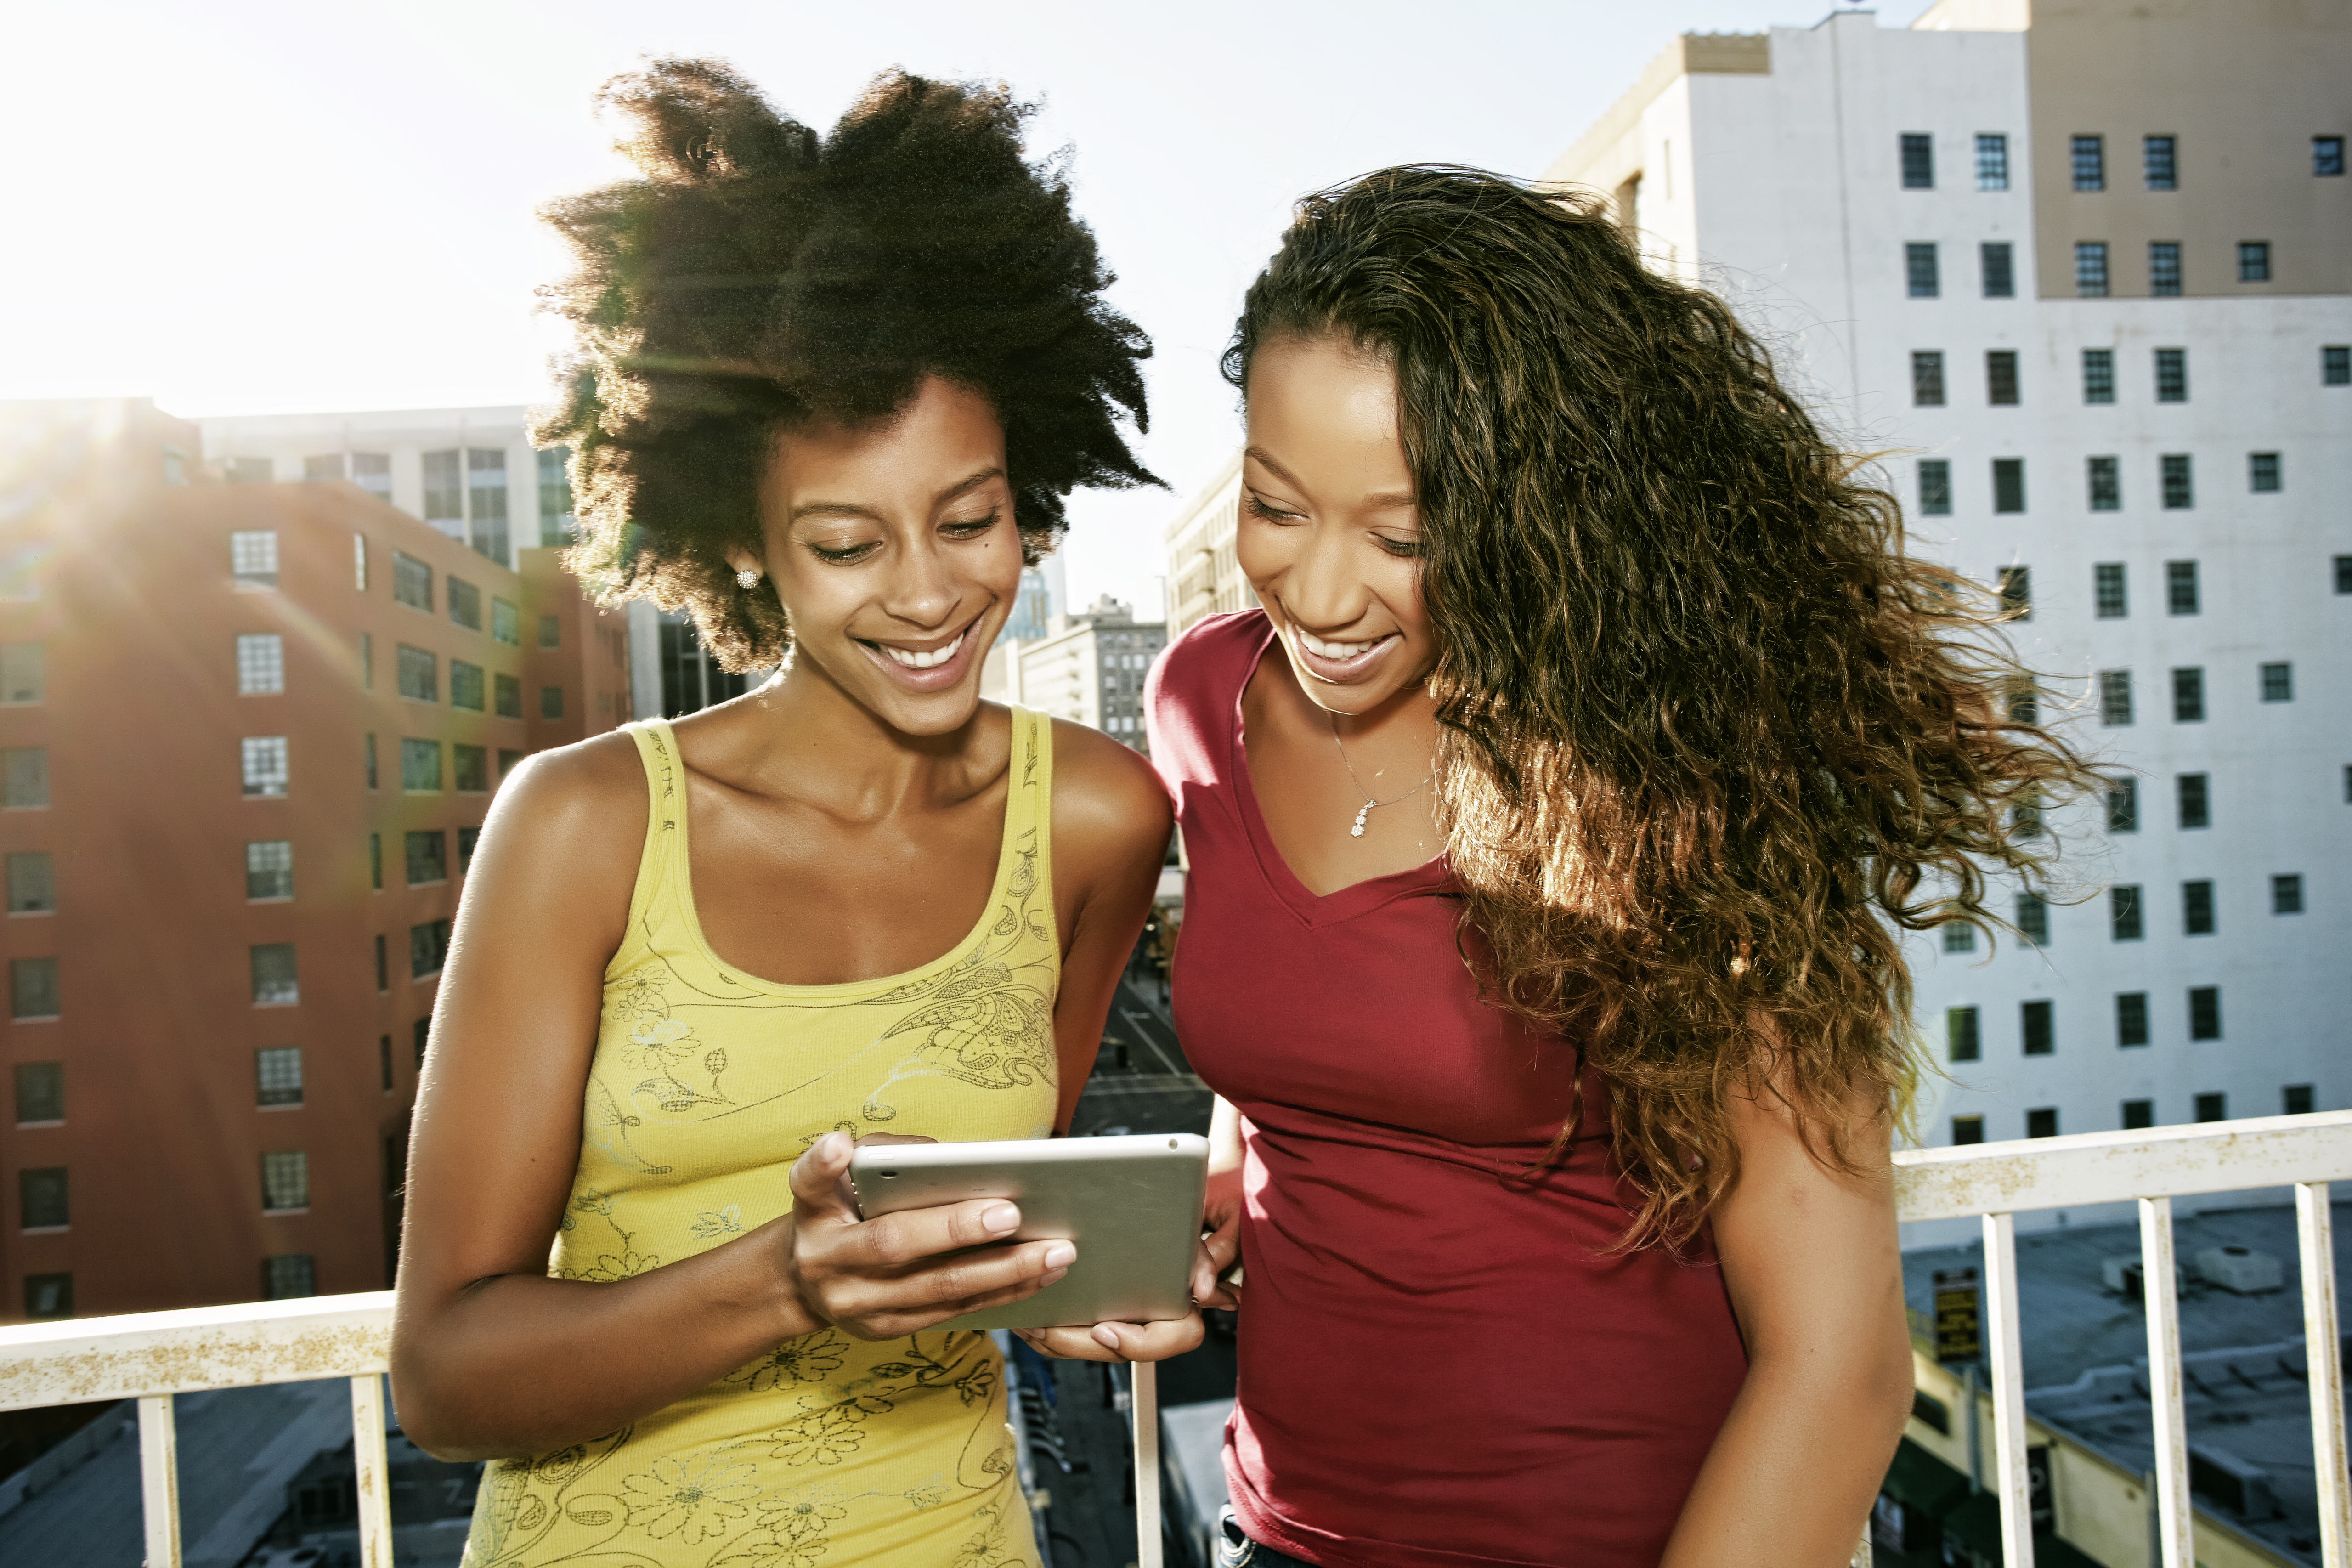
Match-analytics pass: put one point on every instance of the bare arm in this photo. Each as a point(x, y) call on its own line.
point(490, 1357)
point(1811, 1260)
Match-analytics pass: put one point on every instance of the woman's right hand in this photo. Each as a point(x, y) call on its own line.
point(886, 1278)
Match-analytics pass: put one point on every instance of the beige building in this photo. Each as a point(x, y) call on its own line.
point(1089, 669)
point(1203, 578)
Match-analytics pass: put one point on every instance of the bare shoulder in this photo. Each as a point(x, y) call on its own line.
point(569, 822)
point(1109, 805)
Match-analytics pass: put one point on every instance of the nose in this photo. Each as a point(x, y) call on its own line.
point(1324, 590)
point(922, 590)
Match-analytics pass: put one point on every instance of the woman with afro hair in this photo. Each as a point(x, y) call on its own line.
point(1552, 832)
point(829, 397)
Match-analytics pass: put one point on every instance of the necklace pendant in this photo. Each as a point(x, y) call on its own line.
point(1361, 812)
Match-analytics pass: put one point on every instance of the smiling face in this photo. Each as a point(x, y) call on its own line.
point(1330, 536)
point(892, 548)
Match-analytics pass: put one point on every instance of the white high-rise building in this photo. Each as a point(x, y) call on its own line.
point(2082, 269)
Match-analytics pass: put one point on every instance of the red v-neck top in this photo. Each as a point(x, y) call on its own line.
point(1440, 1365)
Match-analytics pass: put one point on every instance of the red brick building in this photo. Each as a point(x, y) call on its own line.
point(247, 736)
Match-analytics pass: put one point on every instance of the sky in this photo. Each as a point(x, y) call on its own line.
point(250, 206)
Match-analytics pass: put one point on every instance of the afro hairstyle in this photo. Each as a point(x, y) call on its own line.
point(755, 279)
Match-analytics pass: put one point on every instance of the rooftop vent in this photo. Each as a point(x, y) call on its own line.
point(2241, 1269)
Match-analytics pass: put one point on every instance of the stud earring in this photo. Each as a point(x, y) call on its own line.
point(747, 578)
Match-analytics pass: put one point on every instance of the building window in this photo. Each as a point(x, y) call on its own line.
point(2180, 481)
point(2025, 817)
point(2253, 261)
point(41, 1199)
point(2197, 909)
point(2278, 682)
point(1961, 1041)
point(367, 661)
point(551, 631)
point(2139, 1113)
point(2024, 704)
point(428, 948)
point(20, 573)
point(2017, 593)
point(2164, 268)
point(48, 1296)
point(2115, 697)
point(368, 751)
point(469, 768)
point(2098, 376)
point(2180, 592)
point(422, 1031)
point(428, 857)
point(359, 563)
point(2158, 165)
point(412, 582)
point(2326, 155)
point(2195, 799)
point(2090, 164)
point(2263, 472)
point(2111, 602)
point(485, 493)
point(2344, 573)
point(2286, 895)
point(420, 678)
point(465, 603)
point(274, 982)
point(2188, 695)
point(1927, 378)
point(383, 1055)
point(40, 1093)
point(2123, 804)
point(285, 1181)
point(506, 622)
point(508, 692)
point(2204, 1011)
point(556, 523)
point(2000, 268)
point(1935, 500)
point(264, 758)
point(24, 674)
point(2172, 375)
point(2131, 1019)
point(24, 777)
point(2038, 1027)
point(551, 697)
point(2033, 920)
point(467, 839)
point(508, 758)
point(445, 498)
point(1919, 161)
point(2212, 1108)
point(288, 1277)
point(2042, 1122)
point(1967, 1129)
point(1960, 936)
point(269, 869)
point(2335, 365)
point(2295, 1099)
point(2009, 484)
point(420, 765)
point(253, 558)
point(1992, 162)
point(2091, 269)
point(1919, 269)
point(2124, 914)
point(2001, 377)
point(260, 665)
point(383, 964)
point(33, 988)
point(32, 884)
point(278, 1076)
point(465, 685)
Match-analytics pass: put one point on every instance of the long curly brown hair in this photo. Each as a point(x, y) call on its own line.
point(758, 278)
point(1709, 737)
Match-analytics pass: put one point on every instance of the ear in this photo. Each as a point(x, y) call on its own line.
point(743, 560)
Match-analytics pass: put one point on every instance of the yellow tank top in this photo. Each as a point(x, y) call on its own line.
point(706, 1085)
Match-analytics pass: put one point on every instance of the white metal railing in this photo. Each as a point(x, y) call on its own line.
point(153, 1356)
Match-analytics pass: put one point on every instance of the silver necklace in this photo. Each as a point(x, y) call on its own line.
point(1370, 805)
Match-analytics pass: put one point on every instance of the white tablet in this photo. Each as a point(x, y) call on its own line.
point(1131, 1206)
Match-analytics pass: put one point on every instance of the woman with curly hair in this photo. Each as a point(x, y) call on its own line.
point(830, 397)
point(1550, 832)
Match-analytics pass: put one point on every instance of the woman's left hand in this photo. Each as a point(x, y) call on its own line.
point(1131, 1341)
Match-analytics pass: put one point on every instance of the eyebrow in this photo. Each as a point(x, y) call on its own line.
point(851, 508)
point(1387, 497)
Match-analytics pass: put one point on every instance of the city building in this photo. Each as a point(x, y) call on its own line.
point(248, 732)
point(2081, 271)
point(1204, 578)
point(1089, 667)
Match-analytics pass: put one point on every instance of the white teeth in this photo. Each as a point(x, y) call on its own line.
point(931, 660)
point(1339, 650)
